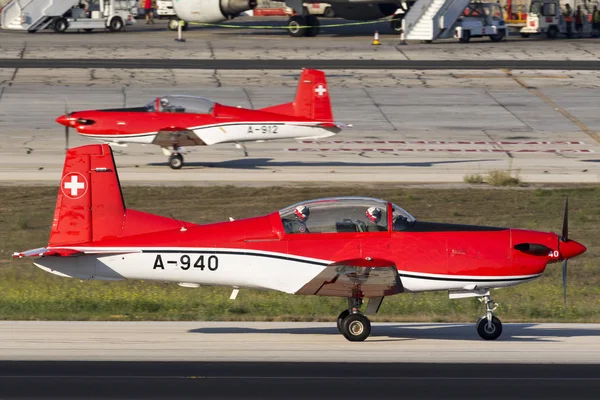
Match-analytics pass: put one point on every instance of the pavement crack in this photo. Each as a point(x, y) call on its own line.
point(399, 49)
point(22, 52)
point(215, 76)
point(508, 110)
point(379, 109)
point(124, 96)
point(248, 97)
point(212, 50)
point(585, 50)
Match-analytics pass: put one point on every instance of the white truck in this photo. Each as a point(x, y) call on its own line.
point(481, 19)
point(545, 16)
point(62, 15)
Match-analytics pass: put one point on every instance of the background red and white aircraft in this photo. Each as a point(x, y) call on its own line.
point(353, 247)
point(174, 122)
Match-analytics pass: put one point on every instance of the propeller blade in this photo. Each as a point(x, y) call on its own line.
point(564, 275)
point(565, 228)
point(66, 138)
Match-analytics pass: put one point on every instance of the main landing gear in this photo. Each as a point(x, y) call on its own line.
point(352, 323)
point(299, 25)
point(488, 326)
point(176, 161)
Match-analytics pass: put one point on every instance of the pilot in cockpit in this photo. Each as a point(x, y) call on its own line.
point(373, 217)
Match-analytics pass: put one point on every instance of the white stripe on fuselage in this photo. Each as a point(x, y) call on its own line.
point(231, 132)
point(236, 267)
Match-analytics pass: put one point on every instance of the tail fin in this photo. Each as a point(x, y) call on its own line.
point(90, 205)
point(312, 98)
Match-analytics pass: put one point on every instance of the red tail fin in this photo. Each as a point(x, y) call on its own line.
point(90, 204)
point(312, 98)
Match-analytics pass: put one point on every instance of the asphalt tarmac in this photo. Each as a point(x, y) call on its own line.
point(358, 379)
point(233, 64)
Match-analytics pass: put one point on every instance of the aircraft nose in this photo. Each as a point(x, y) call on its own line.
point(571, 248)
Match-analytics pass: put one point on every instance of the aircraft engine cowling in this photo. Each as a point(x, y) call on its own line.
point(211, 11)
point(363, 12)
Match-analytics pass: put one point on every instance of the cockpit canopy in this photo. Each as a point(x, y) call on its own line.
point(343, 214)
point(181, 104)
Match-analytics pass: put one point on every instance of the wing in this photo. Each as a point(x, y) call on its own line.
point(374, 278)
point(180, 136)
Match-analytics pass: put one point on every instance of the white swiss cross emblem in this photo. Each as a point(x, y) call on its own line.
point(320, 90)
point(74, 185)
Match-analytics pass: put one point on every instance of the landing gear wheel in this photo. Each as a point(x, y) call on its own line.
point(116, 24)
point(296, 26)
point(524, 35)
point(466, 36)
point(490, 331)
point(396, 24)
point(356, 327)
point(315, 27)
point(340, 320)
point(552, 32)
point(88, 30)
point(60, 25)
point(497, 37)
point(329, 13)
point(176, 161)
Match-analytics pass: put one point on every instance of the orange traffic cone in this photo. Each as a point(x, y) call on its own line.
point(376, 39)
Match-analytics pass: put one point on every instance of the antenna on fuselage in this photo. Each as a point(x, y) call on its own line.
point(181, 223)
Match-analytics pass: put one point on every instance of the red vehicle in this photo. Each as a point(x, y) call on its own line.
point(175, 122)
point(353, 247)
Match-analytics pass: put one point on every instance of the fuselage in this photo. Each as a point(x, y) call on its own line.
point(258, 253)
point(224, 124)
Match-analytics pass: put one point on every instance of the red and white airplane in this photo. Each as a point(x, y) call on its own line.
point(353, 247)
point(174, 122)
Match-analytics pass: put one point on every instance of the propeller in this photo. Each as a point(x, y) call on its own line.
point(565, 238)
point(66, 129)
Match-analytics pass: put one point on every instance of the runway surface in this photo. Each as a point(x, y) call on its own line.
point(407, 127)
point(279, 380)
point(233, 64)
point(296, 342)
point(44, 360)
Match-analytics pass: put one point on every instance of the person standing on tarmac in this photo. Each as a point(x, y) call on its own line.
point(149, 12)
point(595, 22)
point(568, 15)
point(579, 22)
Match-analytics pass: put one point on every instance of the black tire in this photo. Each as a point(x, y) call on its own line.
point(315, 27)
point(88, 30)
point(295, 24)
point(173, 24)
point(524, 35)
point(176, 161)
point(340, 320)
point(396, 25)
point(185, 26)
point(61, 25)
point(498, 36)
point(552, 32)
point(486, 333)
point(329, 13)
point(116, 24)
point(356, 327)
point(466, 36)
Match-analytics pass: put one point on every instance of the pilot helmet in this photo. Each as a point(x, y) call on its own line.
point(164, 102)
point(374, 214)
point(302, 212)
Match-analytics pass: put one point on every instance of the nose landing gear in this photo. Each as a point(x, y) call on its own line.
point(489, 327)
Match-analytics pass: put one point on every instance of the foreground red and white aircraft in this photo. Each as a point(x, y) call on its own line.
point(174, 122)
point(350, 247)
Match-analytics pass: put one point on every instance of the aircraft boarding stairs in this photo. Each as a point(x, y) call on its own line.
point(432, 19)
point(33, 15)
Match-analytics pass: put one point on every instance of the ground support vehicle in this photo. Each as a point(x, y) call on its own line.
point(481, 19)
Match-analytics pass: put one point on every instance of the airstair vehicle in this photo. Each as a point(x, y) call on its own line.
point(428, 20)
point(62, 15)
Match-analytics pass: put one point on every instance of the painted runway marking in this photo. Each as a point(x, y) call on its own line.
point(434, 150)
point(470, 142)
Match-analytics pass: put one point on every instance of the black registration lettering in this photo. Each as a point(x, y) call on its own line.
point(185, 262)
